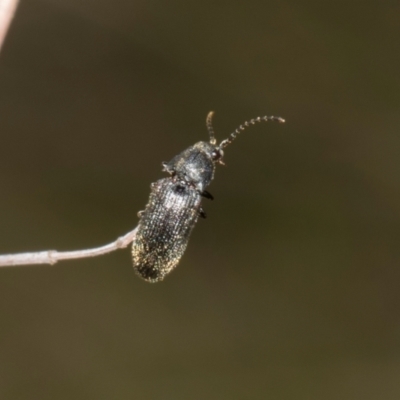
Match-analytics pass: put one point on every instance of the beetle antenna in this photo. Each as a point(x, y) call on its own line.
point(246, 124)
point(210, 129)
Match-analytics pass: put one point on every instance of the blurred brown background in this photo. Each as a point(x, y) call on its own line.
point(290, 288)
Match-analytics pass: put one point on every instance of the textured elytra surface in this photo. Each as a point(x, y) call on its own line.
point(164, 228)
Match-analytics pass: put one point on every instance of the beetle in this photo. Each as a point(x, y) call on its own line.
point(174, 205)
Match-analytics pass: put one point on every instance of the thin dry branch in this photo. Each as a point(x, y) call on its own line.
point(7, 10)
point(53, 256)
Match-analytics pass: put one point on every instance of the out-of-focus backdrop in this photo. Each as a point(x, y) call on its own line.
point(290, 288)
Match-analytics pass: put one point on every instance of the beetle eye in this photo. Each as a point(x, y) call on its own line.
point(217, 154)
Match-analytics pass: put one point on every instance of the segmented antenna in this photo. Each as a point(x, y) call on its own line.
point(246, 124)
point(210, 129)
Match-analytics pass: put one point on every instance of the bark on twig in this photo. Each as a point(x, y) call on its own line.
point(53, 256)
point(7, 10)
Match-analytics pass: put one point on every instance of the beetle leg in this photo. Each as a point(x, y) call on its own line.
point(167, 169)
point(202, 213)
point(207, 195)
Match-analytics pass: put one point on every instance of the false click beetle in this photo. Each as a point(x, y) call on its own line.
point(175, 204)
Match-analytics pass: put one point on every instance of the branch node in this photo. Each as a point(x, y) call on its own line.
point(52, 256)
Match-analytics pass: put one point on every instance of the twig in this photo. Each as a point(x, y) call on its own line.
point(53, 256)
point(7, 10)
